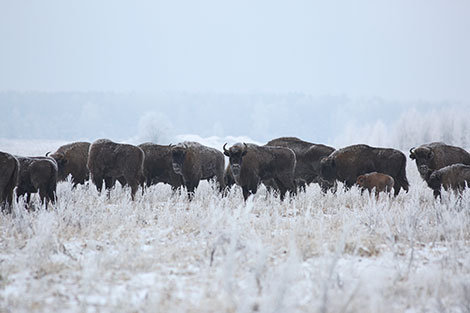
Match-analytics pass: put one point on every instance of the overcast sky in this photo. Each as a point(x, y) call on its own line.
point(401, 49)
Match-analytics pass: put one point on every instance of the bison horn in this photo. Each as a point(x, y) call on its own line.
point(47, 154)
point(245, 149)
point(411, 150)
point(225, 150)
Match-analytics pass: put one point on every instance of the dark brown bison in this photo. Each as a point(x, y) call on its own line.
point(436, 155)
point(72, 160)
point(158, 166)
point(250, 164)
point(195, 162)
point(348, 163)
point(381, 182)
point(229, 180)
point(308, 156)
point(109, 161)
point(37, 174)
point(452, 177)
point(9, 170)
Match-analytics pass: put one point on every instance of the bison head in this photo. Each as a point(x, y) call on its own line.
point(361, 181)
point(178, 154)
point(435, 182)
point(328, 168)
point(235, 155)
point(61, 161)
point(424, 158)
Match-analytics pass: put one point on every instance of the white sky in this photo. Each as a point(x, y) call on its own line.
point(403, 49)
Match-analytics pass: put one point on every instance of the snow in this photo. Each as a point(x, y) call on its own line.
point(343, 252)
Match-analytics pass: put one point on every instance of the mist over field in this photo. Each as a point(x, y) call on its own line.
point(163, 118)
point(385, 73)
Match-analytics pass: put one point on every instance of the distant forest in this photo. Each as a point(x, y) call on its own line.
point(159, 117)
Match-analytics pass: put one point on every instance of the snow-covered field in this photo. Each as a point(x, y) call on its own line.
point(342, 252)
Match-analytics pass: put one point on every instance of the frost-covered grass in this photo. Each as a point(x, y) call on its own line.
point(343, 252)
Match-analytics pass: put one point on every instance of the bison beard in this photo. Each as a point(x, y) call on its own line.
point(250, 164)
point(109, 161)
point(348, 163)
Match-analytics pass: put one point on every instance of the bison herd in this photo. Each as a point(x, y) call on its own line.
point(283, 165)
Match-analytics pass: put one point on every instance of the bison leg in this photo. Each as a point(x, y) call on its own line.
point(52, 195)
point(134, 184)
point(396, 189)
point(6, 201)
point(43, 196)
point(109, 184)
point(122, 180)
point(19, 193)
point(220, 183)
point(246, 192)
point(191, 187)
point(9, 197)
point(174, 189)
point(284, 185)
point(250, 190)
point(134, 188)
point(348, 184)
point(98, 181)
point(301, 185)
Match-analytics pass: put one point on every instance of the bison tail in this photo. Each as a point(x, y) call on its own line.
point(402, 180)
point(12, 183)
point(52, 187)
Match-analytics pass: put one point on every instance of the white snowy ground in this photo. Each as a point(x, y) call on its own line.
point(162, 253)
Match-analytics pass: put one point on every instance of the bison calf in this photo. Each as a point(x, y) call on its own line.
point(381, 182)
point(348, 163)
point(109, 161)
point(72, 160)
point(9, 169)
point(37, 174)
point(453, 177)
